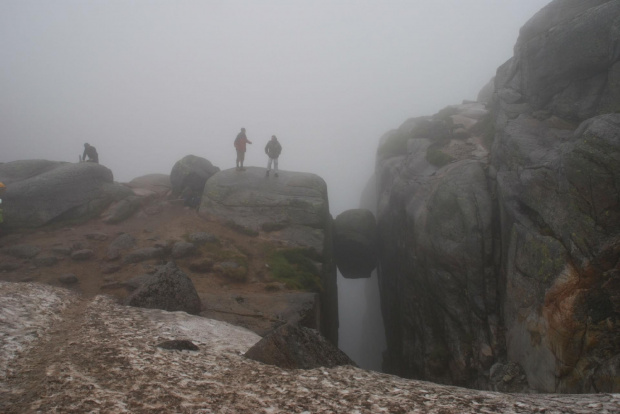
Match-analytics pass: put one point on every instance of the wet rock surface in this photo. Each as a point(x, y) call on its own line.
point(510, 257)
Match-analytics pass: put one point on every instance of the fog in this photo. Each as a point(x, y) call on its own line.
point(148, 82)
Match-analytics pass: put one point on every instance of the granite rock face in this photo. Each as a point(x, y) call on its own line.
point(512, 258)
point(40, 192)
point(556, 167)
point(252, 200)
point(291, 209)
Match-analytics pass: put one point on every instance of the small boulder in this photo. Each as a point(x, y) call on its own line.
point(508, 377)
point(68, 279)
point(178, 345)
point(61, 250)
point(122, 210)
point(201, 266)
point(84, 254)
point(123, 242)
point(9, 266)
point(182, 249)
point(97, 236)
point(22, 251)
point(201, 237)
point(232, 270)
point(169, 289)
point(45, 260)
point(79, 245)
point(146, 253)
point(297, 347)
point(110, 268)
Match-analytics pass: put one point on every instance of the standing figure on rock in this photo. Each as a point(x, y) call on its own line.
point(240, 142)
point(91, 152)
point(273, 150)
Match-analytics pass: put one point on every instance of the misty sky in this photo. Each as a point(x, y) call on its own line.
point(148, 82)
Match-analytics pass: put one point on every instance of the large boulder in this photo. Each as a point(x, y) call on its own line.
point(190, 174)
point(297, 347)
point(252, 200)
point(169, 289)
point(40, 192)
point(150, 185)
point(355, 243)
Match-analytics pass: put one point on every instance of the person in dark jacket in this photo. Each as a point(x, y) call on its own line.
point(240, 146)
point(91, 152)
point(273, 150)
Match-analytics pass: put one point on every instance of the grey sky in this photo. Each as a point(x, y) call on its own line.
point(148, 82)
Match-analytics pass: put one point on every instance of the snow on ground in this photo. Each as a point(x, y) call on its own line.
point(98, 356)
point(26, 312)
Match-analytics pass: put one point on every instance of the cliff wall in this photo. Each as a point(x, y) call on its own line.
point(501, 269)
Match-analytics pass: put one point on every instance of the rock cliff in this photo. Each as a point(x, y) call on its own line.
point(292, 210)
point(512, 256)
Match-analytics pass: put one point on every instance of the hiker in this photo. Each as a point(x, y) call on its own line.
point(91, 152)
point(273, 150)
point(240, 142)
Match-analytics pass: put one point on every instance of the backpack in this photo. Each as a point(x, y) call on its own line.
point(238, 139)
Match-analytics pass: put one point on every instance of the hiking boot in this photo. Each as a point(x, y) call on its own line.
point(267, 175)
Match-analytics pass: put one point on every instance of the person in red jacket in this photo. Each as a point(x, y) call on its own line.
point(240, 142)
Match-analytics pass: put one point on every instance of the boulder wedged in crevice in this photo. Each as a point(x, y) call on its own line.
point(355, 243)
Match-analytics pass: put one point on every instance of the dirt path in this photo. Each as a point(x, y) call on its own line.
point(27, 374)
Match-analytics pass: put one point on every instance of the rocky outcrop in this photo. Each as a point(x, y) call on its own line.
point(40, 192)
point(248, 198)
point(512, 260)
point(150, 185)
point(436, 273)
point(291, 209)
point(355, 243)
point(297, 347)
point(567, 62)
point(555, 164)
point(169, 289)
point(190, 174)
